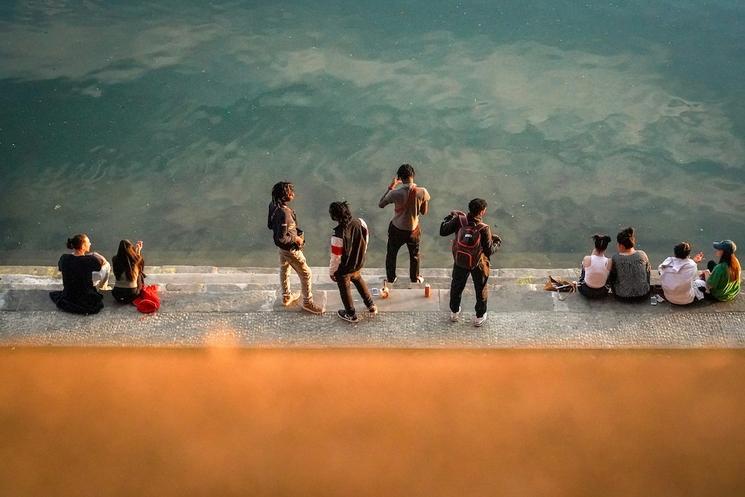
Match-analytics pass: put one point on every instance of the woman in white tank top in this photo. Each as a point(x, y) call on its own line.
point(595, 269)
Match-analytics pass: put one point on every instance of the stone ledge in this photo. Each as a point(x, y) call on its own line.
point(246, 305)
point(210, 276)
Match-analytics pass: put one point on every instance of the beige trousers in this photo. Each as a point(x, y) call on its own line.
point(295, 259)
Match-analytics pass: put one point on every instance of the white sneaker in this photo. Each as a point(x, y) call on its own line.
point(419, 279)
point(477, 322)
point(454, 316)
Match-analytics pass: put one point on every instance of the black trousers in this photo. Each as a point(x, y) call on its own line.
point(396, 239)
point(480, 276)
point(125, 295)
point(345, 290)
point(589, 292)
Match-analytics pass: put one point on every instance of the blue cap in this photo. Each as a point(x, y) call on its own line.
point(726, 245)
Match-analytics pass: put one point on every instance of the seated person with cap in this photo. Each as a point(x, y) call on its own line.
point(723, 279)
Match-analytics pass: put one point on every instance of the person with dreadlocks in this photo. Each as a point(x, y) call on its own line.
point(348, 249)
point(289, 239)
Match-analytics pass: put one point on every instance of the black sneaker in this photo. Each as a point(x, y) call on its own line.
point(351, 318)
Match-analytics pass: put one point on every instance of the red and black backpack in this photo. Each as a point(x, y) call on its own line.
point(467, 243)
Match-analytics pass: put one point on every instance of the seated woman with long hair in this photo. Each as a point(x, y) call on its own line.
point(78, 268)
point(595, 269)
point(129, 266)
point(630, 269)
point(723, 279)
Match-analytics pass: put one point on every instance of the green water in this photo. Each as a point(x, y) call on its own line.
point(170, 122)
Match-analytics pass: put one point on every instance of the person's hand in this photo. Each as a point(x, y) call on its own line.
point(299, 241)
point(698, 257)
point(333, 277)
point(138, 246)
point(394, 183)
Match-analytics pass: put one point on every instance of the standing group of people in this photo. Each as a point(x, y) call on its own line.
point(626, 274)
point(473, 244)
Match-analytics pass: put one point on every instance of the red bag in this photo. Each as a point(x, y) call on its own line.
point(149, 300)
point(467, 243)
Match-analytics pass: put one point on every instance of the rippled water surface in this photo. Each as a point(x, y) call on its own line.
point(170, 121)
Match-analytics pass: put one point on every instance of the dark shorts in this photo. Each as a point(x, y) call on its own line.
point(125, 295)
point(592, 293)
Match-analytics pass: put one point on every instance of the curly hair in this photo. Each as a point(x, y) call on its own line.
point(339, 212)
point(281, 192)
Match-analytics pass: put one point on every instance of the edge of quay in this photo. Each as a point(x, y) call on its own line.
point(210, 305)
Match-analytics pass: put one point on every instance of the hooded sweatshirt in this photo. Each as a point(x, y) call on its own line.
point(348, 247)
point(677, 277)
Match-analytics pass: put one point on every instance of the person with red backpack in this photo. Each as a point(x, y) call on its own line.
point(410, 201)
point(472, 246)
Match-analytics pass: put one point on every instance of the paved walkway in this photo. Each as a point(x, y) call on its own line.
point(208, 305)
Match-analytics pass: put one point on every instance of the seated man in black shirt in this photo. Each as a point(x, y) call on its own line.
point(79, 295)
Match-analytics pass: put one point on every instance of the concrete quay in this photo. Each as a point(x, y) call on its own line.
point(205, 305)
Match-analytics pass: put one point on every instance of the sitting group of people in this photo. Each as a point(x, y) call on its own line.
point(626, 274)
point(85, 272)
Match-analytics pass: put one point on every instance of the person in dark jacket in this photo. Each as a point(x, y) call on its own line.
point(79, 294)
point(348, 250)
point(472, 247)
point(289, 239)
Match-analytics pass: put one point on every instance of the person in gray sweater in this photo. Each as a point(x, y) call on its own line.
point(630, 269)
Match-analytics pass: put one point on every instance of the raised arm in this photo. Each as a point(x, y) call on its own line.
point(387, 198)
point(449, 225)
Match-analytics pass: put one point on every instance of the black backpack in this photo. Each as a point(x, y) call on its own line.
point(467, 243)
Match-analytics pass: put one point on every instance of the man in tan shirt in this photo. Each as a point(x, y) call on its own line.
point(410, 201)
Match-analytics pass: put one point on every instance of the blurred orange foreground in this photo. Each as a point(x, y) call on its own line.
point(223, 422)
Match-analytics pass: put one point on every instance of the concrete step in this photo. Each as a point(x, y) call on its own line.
point(203, 306)
point(213, 279)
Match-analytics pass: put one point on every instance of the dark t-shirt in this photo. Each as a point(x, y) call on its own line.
point(79, 295)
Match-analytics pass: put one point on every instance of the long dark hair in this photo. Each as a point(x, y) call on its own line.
point(339, 212)
point(127, 261)
point(733, 264)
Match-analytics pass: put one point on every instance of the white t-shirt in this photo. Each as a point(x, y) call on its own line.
point(597, 268)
